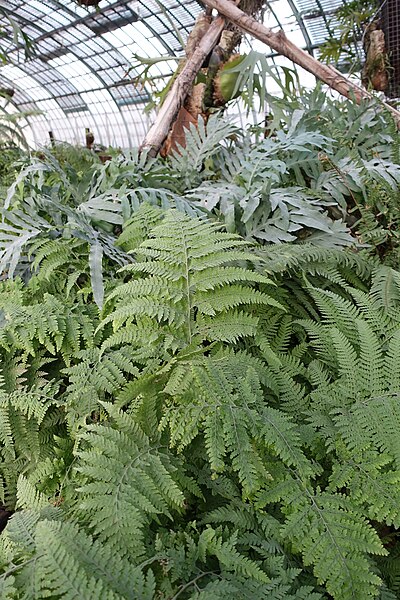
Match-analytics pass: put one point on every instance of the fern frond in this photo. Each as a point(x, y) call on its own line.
point(291, 258)
point(128, 481)
point(70, 565)
point(229, 557)
point(28, 496)
point(336, 310)
point(373, 424)
point(176, 281)
point(371, 361)
point(371, 483)
point(224, 408)
point(202, 143)
point(346, 360)
point(384, 322)
point(333, 536)
point(391, 373)
point(96, 376)
point(385, 289)
point(138, 228)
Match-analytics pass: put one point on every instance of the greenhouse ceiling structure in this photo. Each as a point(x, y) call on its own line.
point(82, 74)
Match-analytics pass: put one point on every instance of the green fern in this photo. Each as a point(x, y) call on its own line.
point(70, 564)
point(224, 408)
point(333, 536)
point(228, 425)
point(138, 473)
point(185, 284)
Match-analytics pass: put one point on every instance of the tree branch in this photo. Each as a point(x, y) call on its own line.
point(280, 43)
point(180, 88)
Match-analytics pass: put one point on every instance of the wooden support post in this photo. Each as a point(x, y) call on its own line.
point(280, 43)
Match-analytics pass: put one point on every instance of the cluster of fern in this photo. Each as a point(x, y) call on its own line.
point(226, 426)
point(199, 382)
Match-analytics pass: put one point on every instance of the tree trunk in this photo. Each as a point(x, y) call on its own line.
point(174, 111)
point(210, 44)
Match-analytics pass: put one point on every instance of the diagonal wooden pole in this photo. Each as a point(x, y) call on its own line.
point(181, 87)
point(277, 41)
point(280, 43)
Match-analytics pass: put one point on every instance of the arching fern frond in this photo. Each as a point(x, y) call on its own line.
point(332, 535)
point(295, 258)
point(187, 284)
point(223, 404)
point(202, 143)
point(48, 323)
point(68, 563)
point(127, 481)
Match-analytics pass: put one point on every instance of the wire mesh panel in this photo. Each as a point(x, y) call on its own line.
point(390, 22)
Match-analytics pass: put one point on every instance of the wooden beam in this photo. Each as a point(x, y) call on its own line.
point(280, 43)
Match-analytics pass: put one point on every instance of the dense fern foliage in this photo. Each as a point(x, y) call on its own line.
point(190, 413)
point(225, 427)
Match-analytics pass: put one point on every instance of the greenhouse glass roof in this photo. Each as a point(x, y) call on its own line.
point(81, 75)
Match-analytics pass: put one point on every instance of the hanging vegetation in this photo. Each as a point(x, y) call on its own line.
point(206, 38)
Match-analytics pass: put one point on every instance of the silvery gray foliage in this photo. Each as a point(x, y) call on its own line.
point(295, 185)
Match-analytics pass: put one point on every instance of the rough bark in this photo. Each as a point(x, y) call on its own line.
point(375, 72)
point(191, 108)
point(181, 87)
point(175, 100)
point(280, 43)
